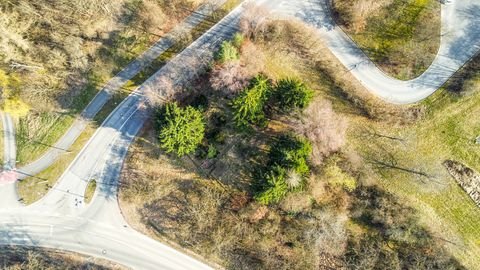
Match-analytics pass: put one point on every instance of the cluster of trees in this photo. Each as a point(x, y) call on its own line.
point(53, 47)
point(286, 95)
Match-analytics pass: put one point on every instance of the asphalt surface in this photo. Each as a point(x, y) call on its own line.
point(460, 41)
point(115, 84)
point(62, 220)
point(8, 176)
point(9, 145)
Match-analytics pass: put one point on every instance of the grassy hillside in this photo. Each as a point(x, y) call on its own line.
point(401, 36)
point(381, 198)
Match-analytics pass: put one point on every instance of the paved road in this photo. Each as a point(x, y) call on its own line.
point(115, 84)
point(460, 40)
point(61, 220)
point(115, 243)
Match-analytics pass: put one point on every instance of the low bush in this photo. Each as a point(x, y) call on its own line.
point(286, 169)
point(228, 52)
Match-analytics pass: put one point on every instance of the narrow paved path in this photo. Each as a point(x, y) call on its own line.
point(8, 176)
point(9, 148)
point(132, 69)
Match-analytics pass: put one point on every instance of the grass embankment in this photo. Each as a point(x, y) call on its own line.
point(398, 148)
point(90, 191)
point(37, 133)
point(402, 37)
point(448, 132)
point(28, 188)
point(33, 188)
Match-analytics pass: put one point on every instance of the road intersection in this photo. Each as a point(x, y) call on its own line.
point(61, 219)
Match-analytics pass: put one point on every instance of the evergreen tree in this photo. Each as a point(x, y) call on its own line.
point(181, 129)
point(228, 52)
point(292, 94)
point(248, 105)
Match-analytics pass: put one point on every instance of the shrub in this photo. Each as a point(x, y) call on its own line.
point(291, 153)
point(237, 40)
point(248, 106)
point(274, 187)
point(337, 177)
point(229, 78)
point(212, 152)
point(325, 129)
point(292, 94)
point(286, 169)
point(181, 129)
point(228, 52)
point(392, 232)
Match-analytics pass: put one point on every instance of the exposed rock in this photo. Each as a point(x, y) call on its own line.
point(467, 178)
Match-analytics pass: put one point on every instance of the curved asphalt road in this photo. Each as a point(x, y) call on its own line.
point(460, 41)
point(61, 220)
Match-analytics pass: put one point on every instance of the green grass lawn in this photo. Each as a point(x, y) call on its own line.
point(402, 37)
point(448, 132)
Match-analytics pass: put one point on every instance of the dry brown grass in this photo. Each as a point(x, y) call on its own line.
point(56, 49)
point(355, 14)
point(17, 258)
point(167, 198)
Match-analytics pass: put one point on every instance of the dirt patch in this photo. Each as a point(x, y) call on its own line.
point(467, 178)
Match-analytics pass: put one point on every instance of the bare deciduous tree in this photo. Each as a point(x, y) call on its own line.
point(325, 129)
point(252, 58)
point(253, 20)
point(229, 78)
